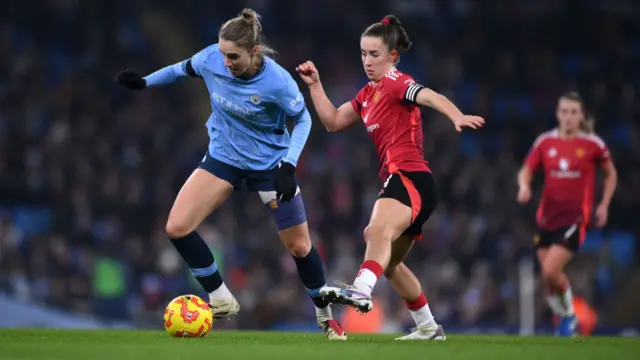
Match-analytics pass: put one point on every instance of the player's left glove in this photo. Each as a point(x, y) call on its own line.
point(131, 80)
point(286, 185)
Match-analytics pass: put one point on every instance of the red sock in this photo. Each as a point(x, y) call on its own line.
point(368, 276)
point(416, 304)
point(558, 289)
point(372, 266)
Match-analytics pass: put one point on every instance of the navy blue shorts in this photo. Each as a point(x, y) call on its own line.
point(254, 180)
point(285, 215)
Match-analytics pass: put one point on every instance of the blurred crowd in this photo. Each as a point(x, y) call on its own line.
point(89, 171)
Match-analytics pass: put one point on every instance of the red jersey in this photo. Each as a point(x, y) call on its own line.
point(393, 122)
point(569, 175)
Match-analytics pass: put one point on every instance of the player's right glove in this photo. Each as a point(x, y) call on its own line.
point(286, 185)
point(131, 80)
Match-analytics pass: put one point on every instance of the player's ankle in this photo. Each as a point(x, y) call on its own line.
point(324, 314)
point(370, 272)
point(221, 293)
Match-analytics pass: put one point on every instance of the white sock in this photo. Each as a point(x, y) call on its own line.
point(221, 293)
point(566, 299)
point(324, 314)
point(423, 316)
point(553, 300)
point(365, 281)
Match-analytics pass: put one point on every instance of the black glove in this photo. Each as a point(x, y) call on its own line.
point(286, 185)
point(131, 80)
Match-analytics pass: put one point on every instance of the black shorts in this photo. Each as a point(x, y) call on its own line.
point(570, 237)
point(417, 190)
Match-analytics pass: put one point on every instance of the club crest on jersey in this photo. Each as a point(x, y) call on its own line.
point(579, 152)
point(255, 99)
point(376, 97)
point(553, 152)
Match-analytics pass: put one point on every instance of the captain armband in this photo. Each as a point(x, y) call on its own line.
point(411, 94)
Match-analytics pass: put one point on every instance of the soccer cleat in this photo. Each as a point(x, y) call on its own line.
point(429, 332)
point(332, 329)
point(224, 309)
point(567, 326)
point(347, 295)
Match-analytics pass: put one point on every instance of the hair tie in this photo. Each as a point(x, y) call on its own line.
point(385, 21)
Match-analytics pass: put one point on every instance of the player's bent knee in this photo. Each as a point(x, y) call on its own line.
point(550, 274)
point(300, 247)
point(177, 229)
point(377, 233)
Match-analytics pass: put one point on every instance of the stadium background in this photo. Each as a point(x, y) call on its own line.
point(88, 171)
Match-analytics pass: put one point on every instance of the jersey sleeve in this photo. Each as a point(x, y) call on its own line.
point(602, 154)
point(356, 103)
point(290, 99)
point(402, 86)
point(195, 66)
point(534, 157)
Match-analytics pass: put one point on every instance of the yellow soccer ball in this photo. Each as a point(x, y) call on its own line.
point(188, 316)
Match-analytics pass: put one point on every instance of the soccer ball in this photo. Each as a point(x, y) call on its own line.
point(188, 316)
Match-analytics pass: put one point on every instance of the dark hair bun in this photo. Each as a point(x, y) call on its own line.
point(390, 30)
point(393, 20)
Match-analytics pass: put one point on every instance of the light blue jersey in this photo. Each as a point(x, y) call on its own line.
point(247, 126)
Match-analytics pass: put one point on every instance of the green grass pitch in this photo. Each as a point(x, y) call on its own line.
point(42, 344)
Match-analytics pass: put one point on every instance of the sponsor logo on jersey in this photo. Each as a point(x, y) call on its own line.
point(373, 127)
point(565, 172)
point(552, 152)
point(230, 106)
point(563, 164)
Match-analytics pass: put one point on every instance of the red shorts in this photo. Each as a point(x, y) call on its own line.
point(417, 190)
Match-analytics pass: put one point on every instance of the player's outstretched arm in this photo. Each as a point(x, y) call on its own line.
point(133, 80)
point(427, 97)
point(333, 119)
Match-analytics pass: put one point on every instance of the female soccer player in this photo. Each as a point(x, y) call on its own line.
point(252, 97)
point(388, 106)
point(568, 156)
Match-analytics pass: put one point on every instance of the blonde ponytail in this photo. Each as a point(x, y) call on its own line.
point(588, 124)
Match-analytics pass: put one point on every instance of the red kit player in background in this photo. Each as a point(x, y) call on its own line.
point(569, 156)
point(389, 108)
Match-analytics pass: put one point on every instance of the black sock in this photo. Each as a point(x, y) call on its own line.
point(312, 275)
point(200, 260)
